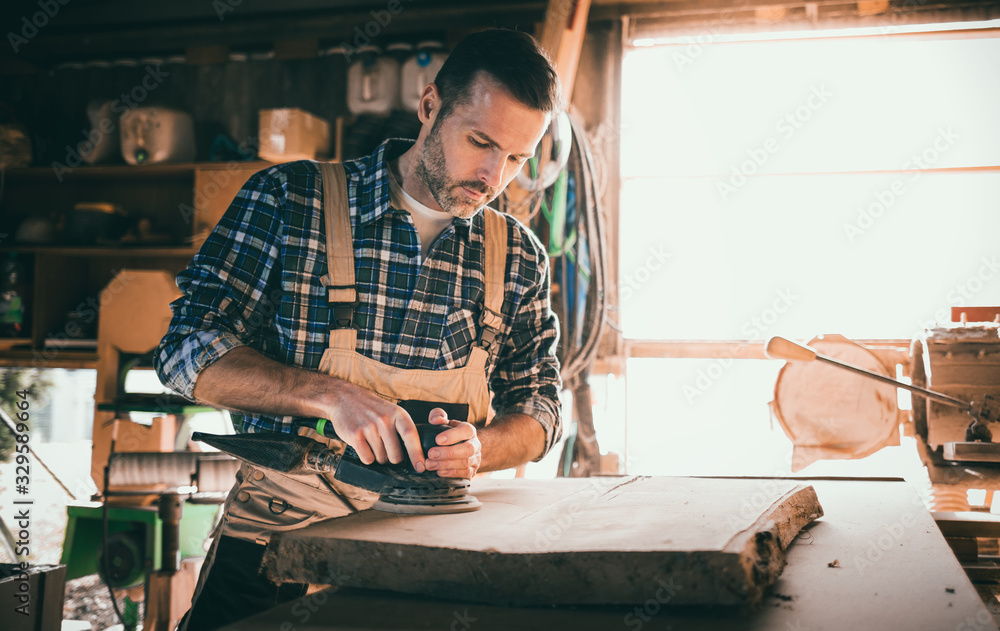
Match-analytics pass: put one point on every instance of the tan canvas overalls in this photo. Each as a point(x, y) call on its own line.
point(264, 501)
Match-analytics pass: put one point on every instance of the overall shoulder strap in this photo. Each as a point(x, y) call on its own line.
point(494, 267)
point(339, 280)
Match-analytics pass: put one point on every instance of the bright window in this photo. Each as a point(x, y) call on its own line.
point(795, 187)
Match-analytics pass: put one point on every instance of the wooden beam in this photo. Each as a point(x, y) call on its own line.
point(296, 48)
point(889, 351)
point(562, 37)
point(205, 55)
point(873, 8)
point(968, 524)
point(255, 29)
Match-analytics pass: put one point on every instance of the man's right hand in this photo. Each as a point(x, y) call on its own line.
point(373, 426)
point(247, 381)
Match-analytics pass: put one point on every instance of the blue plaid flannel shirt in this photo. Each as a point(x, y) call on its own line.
point(256, 282)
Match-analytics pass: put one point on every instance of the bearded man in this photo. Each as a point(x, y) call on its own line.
point(332, 291)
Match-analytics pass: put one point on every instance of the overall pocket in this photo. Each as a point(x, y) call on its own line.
point(268, 501)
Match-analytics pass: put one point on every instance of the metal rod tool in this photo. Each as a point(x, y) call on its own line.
point(782, 348)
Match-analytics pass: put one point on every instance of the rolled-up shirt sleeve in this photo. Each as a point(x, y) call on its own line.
point(526, 379)
point(225, 297)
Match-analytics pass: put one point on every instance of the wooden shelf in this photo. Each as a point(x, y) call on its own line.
point(182, 200)
point(124, 171)
point(82, 250)
point(48, 358)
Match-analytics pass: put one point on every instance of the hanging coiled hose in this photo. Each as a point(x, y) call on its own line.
point(578, 349)
point(568, 218)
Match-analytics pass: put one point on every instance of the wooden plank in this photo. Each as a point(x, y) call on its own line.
point(968, 524)
point(890, 352)
point(562, 37)
point(241, 28)
point(215, 188)
point(566, 541)
point(983, 570)
point(210, 54)
point(170, 595)
point(966, 549)
point(975, 314)
point(910, 581)
point(304, 48)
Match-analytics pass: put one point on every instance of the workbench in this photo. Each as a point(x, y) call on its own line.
point(875, 560)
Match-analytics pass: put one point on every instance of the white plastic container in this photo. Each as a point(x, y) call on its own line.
point(372, 83)
point(153, 135)
point(419, 70)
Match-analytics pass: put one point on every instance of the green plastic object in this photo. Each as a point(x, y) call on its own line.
point(556, 216)
point(139, 528)
point(131, 614)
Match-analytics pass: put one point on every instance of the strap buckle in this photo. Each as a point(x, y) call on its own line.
point(343, 315)
point(343, 312)
point(490, 321)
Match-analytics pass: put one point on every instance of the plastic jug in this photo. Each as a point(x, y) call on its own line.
point(372, 83)
point(419, 70)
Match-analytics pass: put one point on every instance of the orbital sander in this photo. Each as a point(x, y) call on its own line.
point(401, 489)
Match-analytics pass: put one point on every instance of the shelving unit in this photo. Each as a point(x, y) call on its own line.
point(183, 202)
point(97, 251)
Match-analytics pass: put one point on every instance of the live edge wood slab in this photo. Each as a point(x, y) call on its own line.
point(594, 541)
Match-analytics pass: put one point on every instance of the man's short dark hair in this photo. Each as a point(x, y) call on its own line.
point(512, 58)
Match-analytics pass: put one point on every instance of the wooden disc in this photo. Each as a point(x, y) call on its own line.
point(831, 413)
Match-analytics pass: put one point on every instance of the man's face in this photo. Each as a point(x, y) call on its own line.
point(470, 156)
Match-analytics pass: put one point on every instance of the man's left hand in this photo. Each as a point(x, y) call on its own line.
point(458, 453)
